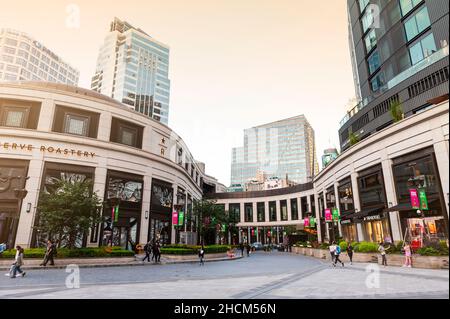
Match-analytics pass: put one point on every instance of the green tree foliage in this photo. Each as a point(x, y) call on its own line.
point(396, 111)
point(353, 138)
point(68, 210)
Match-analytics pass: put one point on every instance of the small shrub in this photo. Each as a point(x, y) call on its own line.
point(343, 245)
point(366, 247)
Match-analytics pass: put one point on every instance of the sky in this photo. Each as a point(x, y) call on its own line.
point(234, 64)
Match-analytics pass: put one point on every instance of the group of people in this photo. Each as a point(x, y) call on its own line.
point(335, 252)
point(153, 249)
point(244, 247)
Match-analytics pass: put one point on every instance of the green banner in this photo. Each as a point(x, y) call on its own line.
point(423, 199)
point(224, 228)
point(116, 214)
point(312, 222)
point(181, 218)
point(336, 215)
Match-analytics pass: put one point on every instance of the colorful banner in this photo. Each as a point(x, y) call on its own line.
point(181, 218)
point(415, 202)
point(175, 218)
point(312, 222)
point(328, 216)
point(116, 213)
point(423, 199)
point(336, 215)
point(306, 222)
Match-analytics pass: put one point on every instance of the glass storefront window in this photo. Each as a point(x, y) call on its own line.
point(235, 212)
point(273, 211)
point(261, 211)
point(248, 212)
point(377, 231)
point(345, 193)
point(294, 209)
point(371, 189)
point(349, 233)
point(284, 212)
point(423, 231)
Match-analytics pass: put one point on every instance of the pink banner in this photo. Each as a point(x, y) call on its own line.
point(328, 216)
point(415, 202)
point(306, 222)
point(175, 218)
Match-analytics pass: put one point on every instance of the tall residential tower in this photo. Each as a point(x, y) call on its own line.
point(133, 68)
point(281, 149)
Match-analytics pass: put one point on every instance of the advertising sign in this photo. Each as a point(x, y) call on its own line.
point(306, 222)
point(175, 218)
point(423, 199)
point(415, 203)
point(328, 216)
point(312, 222)
point(336, 215)
point(181, 218)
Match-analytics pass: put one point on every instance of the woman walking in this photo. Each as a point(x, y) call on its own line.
point(350, 252)
point(201, 255)
point(332, 249)
point(18, 262)
point(408, 255)
point(337, 253)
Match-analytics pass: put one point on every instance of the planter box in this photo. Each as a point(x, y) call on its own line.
point(428, 262)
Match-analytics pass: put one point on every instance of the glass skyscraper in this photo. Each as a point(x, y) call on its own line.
point(133, 68)
point(281, 149)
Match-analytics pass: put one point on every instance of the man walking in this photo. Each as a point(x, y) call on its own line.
point(157, 252)
point(148, 251)
point(241, 247)
point(49, 254)
point(337, 253)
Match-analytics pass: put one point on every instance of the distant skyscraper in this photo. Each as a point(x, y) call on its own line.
point(280, 149)
point(22, 58)
point(133, 68)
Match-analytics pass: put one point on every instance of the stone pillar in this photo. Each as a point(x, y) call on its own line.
point(357, 203)
point(278, 211)
point(249, 235)
point(300, 209)
point(99, 187)
point(32, 185)
point(174, 202)
point(317, 214)
point(46, 117)
point(441, 150)
point(242, 213)
point(104, 127)
point(336, 197)
point(266, 212)
point(255, 212)
point(325, 206)
point(391, 197)
point(145, 215)
point(288, 207)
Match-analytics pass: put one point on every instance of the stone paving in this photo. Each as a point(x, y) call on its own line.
point(262, 276)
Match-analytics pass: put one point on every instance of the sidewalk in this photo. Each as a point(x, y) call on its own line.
point(33, 264)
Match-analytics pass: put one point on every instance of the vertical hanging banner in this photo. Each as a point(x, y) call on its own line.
point(175, 218)
point(336, 215)
point(312, 222)
point(116, 214)
point(328, 216)
point(181, 218)
point(423, 199)
point(306, 222)
point(415, 203)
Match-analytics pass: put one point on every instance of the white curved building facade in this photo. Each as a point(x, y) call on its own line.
point(50, 131)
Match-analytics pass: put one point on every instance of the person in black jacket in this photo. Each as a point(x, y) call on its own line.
point(248, 249)
point(148, 251)
point(49, 254)
point(350, 252)
point(241, 247)
point(201, 255)
point(157, 252)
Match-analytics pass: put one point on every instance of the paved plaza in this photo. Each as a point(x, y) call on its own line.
point(261, 276)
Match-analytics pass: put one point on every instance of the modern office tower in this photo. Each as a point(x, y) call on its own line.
point(22, 58)
point(282, 149)
point(399, 52)
point(133, 68)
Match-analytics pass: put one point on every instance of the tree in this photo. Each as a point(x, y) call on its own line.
point(353, 138)
point(68, 210)
point(211, 219)
point(396, 111)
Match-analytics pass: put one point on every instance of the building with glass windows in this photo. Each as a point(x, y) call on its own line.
point(22, 58)
point(51, 132)
point(399, 53)
point(133, 68)
point(284, 149)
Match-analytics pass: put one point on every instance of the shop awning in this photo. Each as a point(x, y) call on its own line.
point(402, 207)
point(367, 212)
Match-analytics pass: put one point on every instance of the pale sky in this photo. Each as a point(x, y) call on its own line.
point(234, 64)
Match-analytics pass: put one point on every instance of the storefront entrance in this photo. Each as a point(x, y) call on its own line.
point(160, 230)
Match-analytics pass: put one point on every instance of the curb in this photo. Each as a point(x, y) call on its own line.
point(134, 264)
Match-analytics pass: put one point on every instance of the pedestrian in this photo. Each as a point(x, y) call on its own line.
point(382, 251)
point(18, 262)
point(201, 255)
point(332, 249)
point(2, 248)
point(408, 254)
point(50, 253)
point(241, 247)
point(337, 253)
point(350, 252)
point(157, 252)
point(248, 249)
point(148, 251)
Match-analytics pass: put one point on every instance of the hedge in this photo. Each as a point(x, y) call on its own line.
point(193, 250)
point(72, 253)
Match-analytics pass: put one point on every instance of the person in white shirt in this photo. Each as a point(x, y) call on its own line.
point(332, 252)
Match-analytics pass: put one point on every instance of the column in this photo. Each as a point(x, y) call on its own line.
point(278, 235)
point(336, 197)
point(99, 187)
point(46, 117)
point(26, 219)
point(300, 209)
point(145, 215)
point(249, 235)
point(357, 203)
point(391, 197)
point(289, 212)
point(227, 210)
point(174, 202)
point(104, 127)
point(317, 214)
point(242, 213)
point(278, 211)
point(442, 155)
point(266, 212)
point(255, 212)
point(325, 206)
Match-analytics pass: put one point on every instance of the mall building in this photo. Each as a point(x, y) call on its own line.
point(374, 186)
point(52, 131)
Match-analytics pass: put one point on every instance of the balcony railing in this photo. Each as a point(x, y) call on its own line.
point(431, 59)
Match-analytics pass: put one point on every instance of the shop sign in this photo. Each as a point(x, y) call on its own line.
point(423, 199)
point(46, 149)
point(373, 217)
point(347, 221)
point(181, 218)
point(415, 202)
point(328, 216)
point(336, 215)
point(175, 218)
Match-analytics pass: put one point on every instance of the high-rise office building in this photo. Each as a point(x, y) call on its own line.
point(22, 58)
point(399, 52)
point(133, 68)
point(284, 149)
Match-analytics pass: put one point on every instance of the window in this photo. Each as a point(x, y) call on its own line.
point(374, 62)
point(417, 24)
point(408, 5)
point(127, 135)
point(9, 50)
point(11, 42)
point(362, 5)
point(248, 212)
point(77, 125)
point(422, 49)
point(370, 40)
point(273, 211)
point(235, 212)
point(14, 116)
point(25, 46)
point(371, 189)
point(345, 193)
point(261, 212)
point(377, 82)
point(294, 209)
point(284, 212)
point(367, 20)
